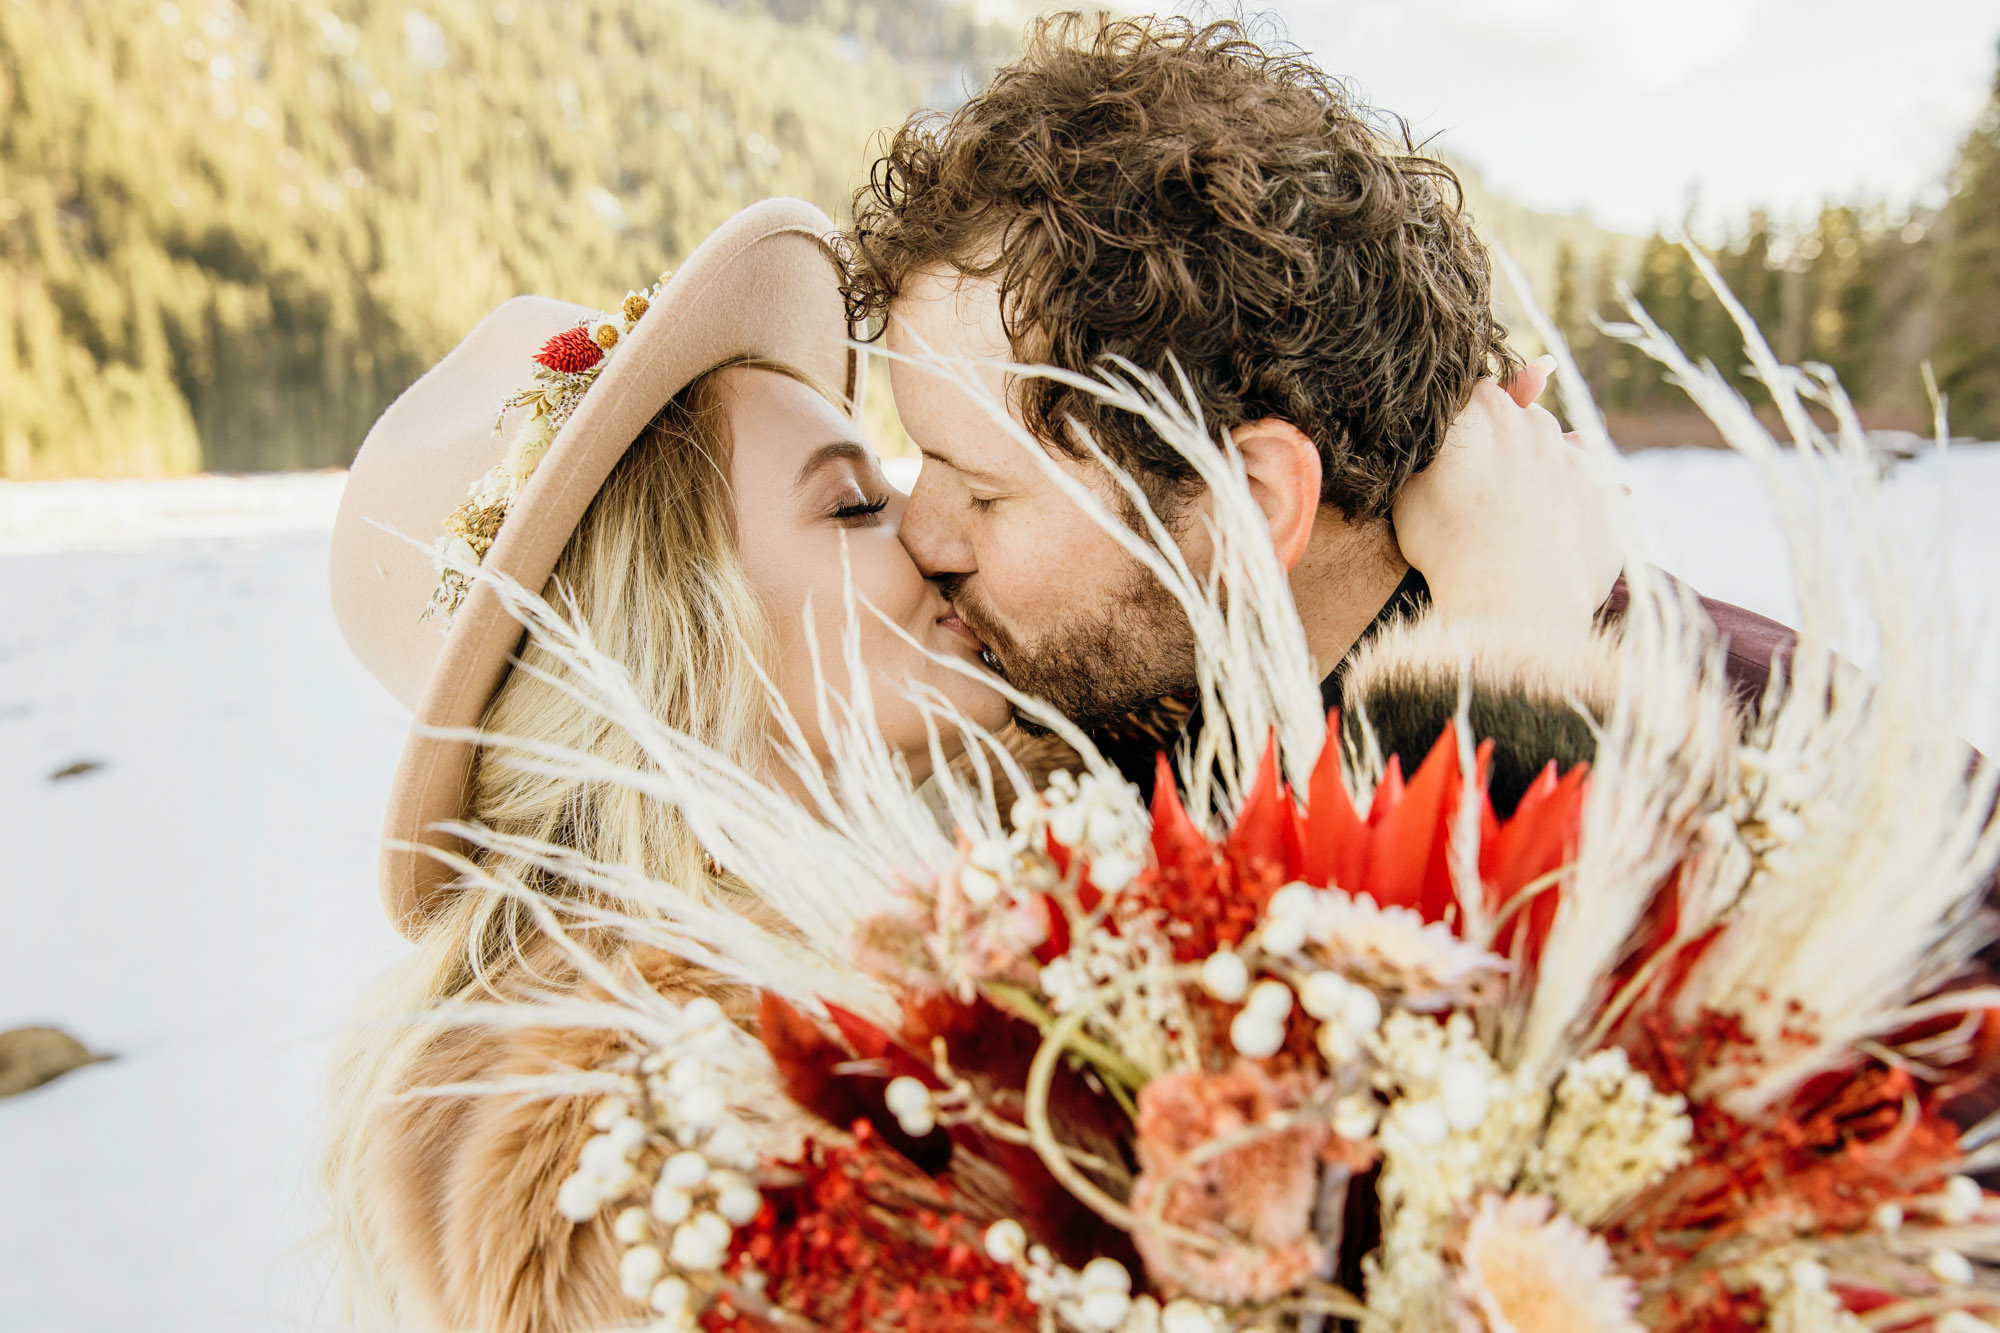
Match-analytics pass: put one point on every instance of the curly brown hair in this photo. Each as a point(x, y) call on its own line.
point(1172, 193)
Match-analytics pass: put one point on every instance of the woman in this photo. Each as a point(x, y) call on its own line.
point(686, 475)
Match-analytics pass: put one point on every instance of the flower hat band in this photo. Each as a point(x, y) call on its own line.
point(566, 367)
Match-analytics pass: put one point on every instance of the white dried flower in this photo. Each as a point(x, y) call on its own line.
point(1520, 1266)
point(1464, 1093)
point(1395, 949)
point(1612, 1135)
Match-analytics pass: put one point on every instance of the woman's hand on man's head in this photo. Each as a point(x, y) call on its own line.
point(1515, 521)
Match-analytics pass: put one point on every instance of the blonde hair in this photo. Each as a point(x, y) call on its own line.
point(653, 571)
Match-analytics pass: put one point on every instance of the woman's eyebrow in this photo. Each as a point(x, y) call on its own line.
point(840, 451)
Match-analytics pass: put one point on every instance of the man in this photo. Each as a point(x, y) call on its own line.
point(1182, 198)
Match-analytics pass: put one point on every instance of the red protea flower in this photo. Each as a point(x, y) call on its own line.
point(1398, 854)
point(570, 352)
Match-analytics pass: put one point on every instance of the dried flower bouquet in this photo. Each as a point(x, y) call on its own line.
point(1313, 1042)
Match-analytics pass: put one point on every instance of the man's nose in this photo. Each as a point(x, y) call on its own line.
point(935, 543)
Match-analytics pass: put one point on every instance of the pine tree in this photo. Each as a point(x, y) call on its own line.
point(1968, 297)
point(232, 230)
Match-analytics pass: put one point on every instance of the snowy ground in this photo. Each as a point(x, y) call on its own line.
point(202, 905)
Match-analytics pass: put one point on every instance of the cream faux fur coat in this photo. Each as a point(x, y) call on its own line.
point(460, 1191)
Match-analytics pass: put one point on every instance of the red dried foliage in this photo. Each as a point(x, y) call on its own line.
point(1399, 854)
point(570, 352)
point(1842, 1145)
point(863, 1243)
point(841, 1079)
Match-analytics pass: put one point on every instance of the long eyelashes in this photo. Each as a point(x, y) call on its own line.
point(854, 511)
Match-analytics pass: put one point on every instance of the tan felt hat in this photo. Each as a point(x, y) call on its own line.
point(764, 285)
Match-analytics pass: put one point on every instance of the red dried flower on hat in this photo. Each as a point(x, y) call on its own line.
point(570, 352)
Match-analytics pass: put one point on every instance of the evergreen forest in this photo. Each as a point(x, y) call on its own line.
point(232, 230)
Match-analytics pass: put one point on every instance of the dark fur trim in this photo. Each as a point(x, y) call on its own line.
point(1535, 700)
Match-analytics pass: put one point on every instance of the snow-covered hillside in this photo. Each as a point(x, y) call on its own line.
point(202, 905)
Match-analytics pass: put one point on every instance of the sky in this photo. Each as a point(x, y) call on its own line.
point(1627, 109)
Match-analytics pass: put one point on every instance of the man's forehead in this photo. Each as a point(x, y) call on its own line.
point(950, 313)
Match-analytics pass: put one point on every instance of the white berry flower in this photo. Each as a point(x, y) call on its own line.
point(577, 1199)
point(1186, 1316)
point(1271, 999)
point(979, 887)
point(1962, 1198)
point(670, 1296)
point(700, 1012)
point(1256, 1036)
point(670, 1205)
point(1323, 995)
point(639, 1270)
point(1006, 1241)
point(632, 1226)
point(685, 1170)
point(1103, 1309)
point(738, 1201)
point(910, 1102)
point(1104, 1274)
point(1951, 1268)
point(730, 1146)
point(1225, 976)
point(701, 1243)
point(1114, 870)
point(627, 1134)
point(699, 1109)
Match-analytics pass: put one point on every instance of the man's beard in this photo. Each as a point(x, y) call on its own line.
point(1138, 649)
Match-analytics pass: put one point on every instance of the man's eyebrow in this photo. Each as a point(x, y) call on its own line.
point(839, 451)
point(960, 468)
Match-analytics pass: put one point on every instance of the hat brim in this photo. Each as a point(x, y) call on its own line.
point(764, 285)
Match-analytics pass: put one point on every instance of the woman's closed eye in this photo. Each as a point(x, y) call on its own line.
point(859, 511)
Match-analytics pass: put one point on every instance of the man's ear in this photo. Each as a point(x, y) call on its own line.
point(1284, 471)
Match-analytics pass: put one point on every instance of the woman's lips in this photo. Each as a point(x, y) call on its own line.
point(950, 621)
